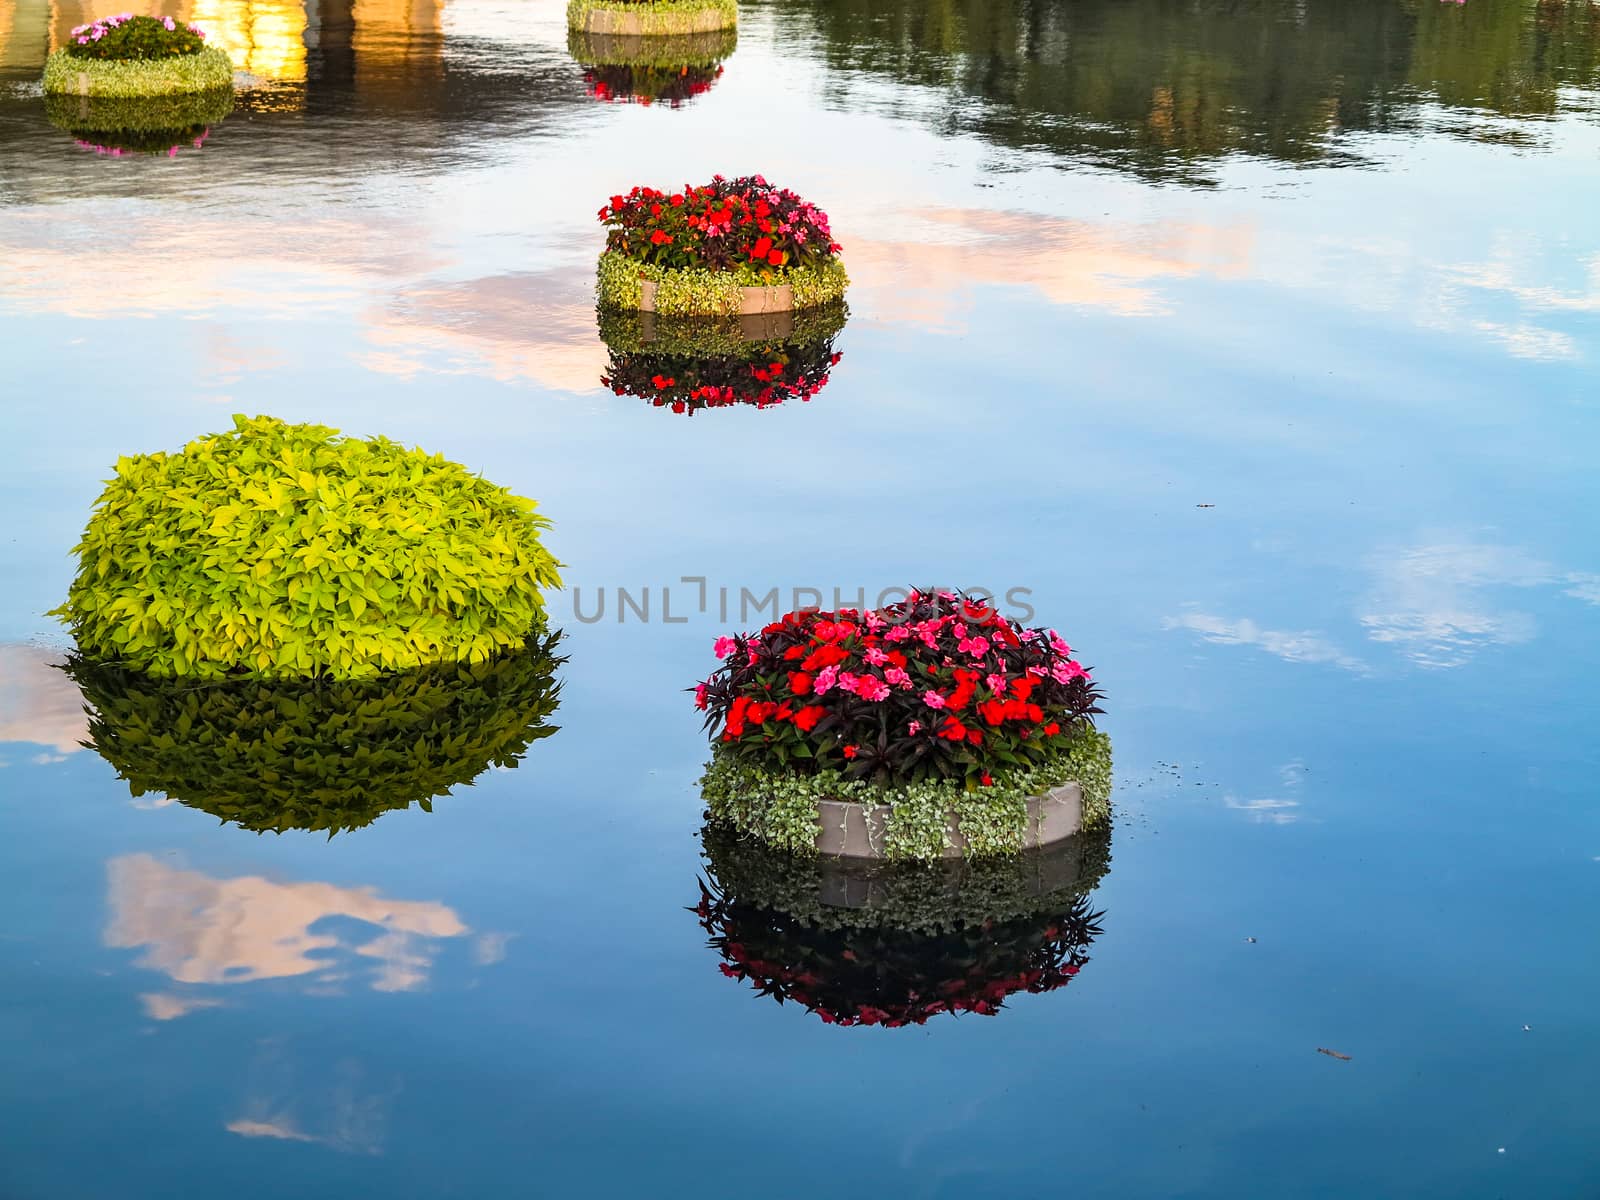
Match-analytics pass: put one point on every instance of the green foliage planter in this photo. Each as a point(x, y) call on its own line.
point(286, 551)
point(922, 821)
point(209, 70)
point(652, 18)
point(902, 945)
point(319, 755)
point(626, 331)
point(625, 282)
point(152, 125)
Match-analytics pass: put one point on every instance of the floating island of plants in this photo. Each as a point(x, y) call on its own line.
point(730, 247)
point(926, 729)
point(686, 364)
point(652, 18)
point(119, 126)
point(287, 551)
point(315, 754)
point(129, 56)
point(899, 944)
point(651, 70)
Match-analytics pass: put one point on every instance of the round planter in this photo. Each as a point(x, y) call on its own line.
point(851, 830)
point(627, 283)
point(209, 70)
point(673, 18)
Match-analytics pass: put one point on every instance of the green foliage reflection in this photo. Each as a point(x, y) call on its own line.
point(317, 754)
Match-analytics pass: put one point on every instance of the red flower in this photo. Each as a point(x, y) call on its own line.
point(1052, 729)
point(806, 719)
point(660, 238)
point(762, 248)
point(953, 729)
point(799, 683)
point(776, 258)
point(849, 751)
point(986, 779)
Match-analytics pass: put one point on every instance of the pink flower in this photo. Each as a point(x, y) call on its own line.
point(997, 684)
point(1064, 672)
point(724, 647)
point(933, 699)
point(897, 633)
point(897, 677)
point(875, 657)
point(699, 691)
point(825, 680)
point(1056, 644)
point(913, 728)
point(976, 646)
point(1037, 671)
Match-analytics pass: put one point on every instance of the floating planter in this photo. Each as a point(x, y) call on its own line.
point(156, 125)
point(686, 364)
point(652, 18)
point(927, 729)
point(651, 70)
point(128, 56)
point(894, 944)
point(732, 247)
point(319, 754)
point(287, 551)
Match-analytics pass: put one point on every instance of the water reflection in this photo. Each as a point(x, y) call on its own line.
point(863, 943)
point(650, 70)
point(154, 125)
point(198, 929)
point(38, 705)
point(1167, 87)
point(689, 364)
point(291, 754)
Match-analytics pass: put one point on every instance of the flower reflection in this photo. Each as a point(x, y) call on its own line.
point(883, 944)
point(689, 364)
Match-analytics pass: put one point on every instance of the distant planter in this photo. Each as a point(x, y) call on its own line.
point(736, 247)
point(928, 729)
point(895, 946)
point(686, 364)
point(651, 70)
point(316, 755)
point(652, 18)
point(156, 125)
point(286, 551)
point(127, 56)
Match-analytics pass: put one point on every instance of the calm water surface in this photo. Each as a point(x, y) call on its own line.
point(1258, 341)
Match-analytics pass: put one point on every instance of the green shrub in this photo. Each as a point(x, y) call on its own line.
point(208, 71)
point(318, 754)
point(285, 550)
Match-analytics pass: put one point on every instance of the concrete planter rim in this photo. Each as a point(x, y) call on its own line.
point(852, 830)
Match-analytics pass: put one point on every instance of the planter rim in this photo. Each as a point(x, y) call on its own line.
point(753, 302)
point(852, 830)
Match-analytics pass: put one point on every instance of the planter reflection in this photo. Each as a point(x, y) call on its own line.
point(862, 943)
point(650, 70)
point(689, 363)
point(318, 755)
point(156, 125)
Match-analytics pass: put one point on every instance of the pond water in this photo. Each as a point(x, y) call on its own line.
point(1254, 344)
